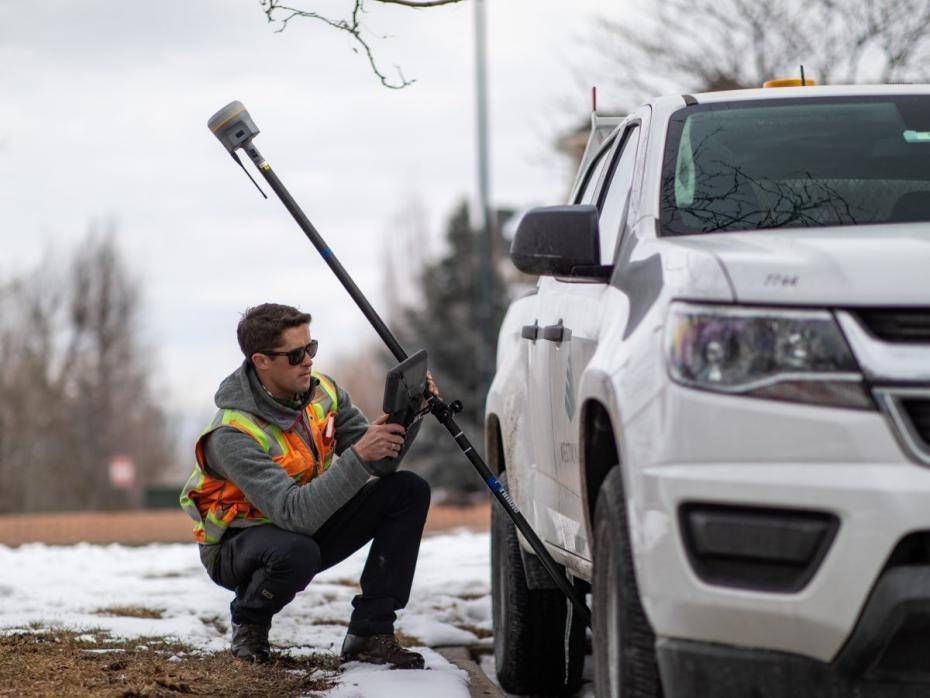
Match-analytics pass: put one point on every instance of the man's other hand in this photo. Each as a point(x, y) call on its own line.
point(431, 388)
point(382, 440)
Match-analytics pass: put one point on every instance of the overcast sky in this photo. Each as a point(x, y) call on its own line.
point(103, 110)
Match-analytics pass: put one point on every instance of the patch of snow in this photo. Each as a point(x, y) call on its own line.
point(433, 632)
point(439, 678)
point(67, 587)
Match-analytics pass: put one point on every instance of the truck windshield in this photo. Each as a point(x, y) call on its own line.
point(791, 163)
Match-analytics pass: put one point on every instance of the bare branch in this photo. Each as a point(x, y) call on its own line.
point(75, 382)
point(282, 14)
point(419, 5)
point(706, 45)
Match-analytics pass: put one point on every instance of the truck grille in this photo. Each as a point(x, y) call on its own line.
point(919, 413)
point(909, 412)
point(898, 324)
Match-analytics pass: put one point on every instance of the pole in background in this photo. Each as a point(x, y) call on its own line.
point(485, 313)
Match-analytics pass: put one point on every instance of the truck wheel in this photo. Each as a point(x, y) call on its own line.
point(624, 643)
point(531, 651)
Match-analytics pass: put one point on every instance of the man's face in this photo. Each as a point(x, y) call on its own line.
point(276, 373)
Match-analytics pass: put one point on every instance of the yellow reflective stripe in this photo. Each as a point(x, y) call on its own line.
point(187, 504)
point(242, 421)
point(329, 388)
point(279, 438)
point(242, 522)
point(217, 421)
point(194, 482)
point(213, 528)
point(321, 408)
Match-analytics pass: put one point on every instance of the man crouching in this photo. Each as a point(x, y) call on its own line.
point(290, 480)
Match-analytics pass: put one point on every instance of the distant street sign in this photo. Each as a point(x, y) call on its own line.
point(122, 472)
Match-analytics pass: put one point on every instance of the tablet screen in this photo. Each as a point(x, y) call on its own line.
point(405, 385)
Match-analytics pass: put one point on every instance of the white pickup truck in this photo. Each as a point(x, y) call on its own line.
point(715, 408)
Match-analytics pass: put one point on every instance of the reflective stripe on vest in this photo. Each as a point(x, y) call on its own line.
point(216, 504)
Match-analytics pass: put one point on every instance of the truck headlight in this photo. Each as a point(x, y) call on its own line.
point(798, 355)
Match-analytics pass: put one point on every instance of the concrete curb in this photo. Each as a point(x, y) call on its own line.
point(479, 685)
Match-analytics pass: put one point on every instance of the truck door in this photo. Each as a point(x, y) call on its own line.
point(537, 487)
point(573, 312)
point(543, 490)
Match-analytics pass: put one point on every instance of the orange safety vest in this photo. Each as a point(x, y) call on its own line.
point(216, 504)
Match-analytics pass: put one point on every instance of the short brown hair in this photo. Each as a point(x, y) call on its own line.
point(261, 327)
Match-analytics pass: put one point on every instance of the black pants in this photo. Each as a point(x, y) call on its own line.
point(266, 566)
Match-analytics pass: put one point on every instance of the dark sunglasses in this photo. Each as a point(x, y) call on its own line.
point(295, 356)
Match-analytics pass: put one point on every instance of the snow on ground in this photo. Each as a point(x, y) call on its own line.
point(66, 586)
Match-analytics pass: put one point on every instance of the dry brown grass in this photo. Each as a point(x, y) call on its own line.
point(172, 525)
point(470, 596)
point(408, 640)
point(329, 621)
point(480, 633)
point(130, 612)
point(345, 582)
point(60, 663)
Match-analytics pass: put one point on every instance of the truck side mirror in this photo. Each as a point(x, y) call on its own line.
point(559, 241)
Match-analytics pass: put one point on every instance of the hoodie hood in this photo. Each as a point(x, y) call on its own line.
point(242, 390)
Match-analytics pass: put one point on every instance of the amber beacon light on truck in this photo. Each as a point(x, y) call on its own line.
point(790, 82)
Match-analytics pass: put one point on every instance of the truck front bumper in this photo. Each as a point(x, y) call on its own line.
point(886, 655)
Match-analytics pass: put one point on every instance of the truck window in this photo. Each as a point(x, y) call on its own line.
point(613, 206)
point(593, 177)
point(790, 163)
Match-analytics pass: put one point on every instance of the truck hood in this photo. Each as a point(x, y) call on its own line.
point(875, 265)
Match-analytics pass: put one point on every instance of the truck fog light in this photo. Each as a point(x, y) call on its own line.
point(758, 548)
point(796, 355)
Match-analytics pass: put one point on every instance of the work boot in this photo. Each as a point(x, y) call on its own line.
point(250, 642)
point(379, 649)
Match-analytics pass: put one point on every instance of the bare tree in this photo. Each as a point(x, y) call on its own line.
point(704, 45)
point(351, 23)
point(26, 345)
point(405, 251)
point(75, 384)
point(361, 373)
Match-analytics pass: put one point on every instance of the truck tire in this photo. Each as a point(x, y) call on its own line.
point(531, 652)
point(624, 643)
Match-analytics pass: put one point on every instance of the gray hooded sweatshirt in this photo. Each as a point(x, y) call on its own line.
point(233, 455)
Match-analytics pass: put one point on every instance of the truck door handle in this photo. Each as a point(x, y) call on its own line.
point(556, 333)
point(530, 332)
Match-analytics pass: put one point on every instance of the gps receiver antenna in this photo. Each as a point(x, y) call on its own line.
point(235, 129)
